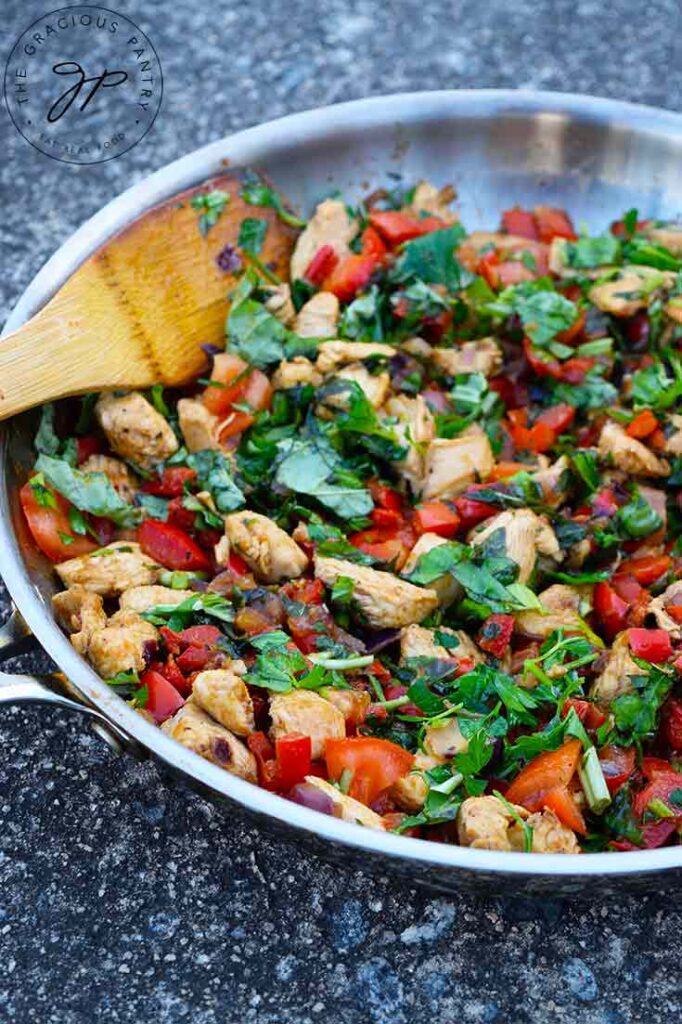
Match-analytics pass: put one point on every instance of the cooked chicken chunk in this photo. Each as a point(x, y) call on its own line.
point(410, 792)
point(657, 608)
point(481, 356)
point(673, 445)
point(629, 454)
point(444, 739)
point(199, 427)
point(549, 834)
point(279, 303)
point(81, 613)
point(123, 645)
point(420, 642)
point(318, 317)
point(134, 429)
point(268, 551)
point(562, 605)
point(333, 354)
point(484, 823)
point(329, 225)
point(667, 235)
point(615, 680)
point(385, 601)
point(291, 373)
point(559, 265)
point(526, 535)
point(418, 347)
point(435, 202)
point(353, 704)
point(414, 429)
point(374, 386)
point(554, 481)
point(446, 587)
point(196, 730)
point(141, 599)
point(123, 479)
point(630, 292)
point(224, 696)
point(453, 464)
point(306, 712)
point(110, 570)
point(345, 807)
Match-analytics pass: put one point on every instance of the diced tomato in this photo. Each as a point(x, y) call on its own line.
point(650, 644)
point(642, 425)
point(382, 544)
point(293, 755)
point(544, 783)
point(229, 373)
point(588, 713)
point(544, 365)
point(610, 609)
point(171, 547)
point(304, 591)
point(552, 223)
point(617, 764)
point(646, 569)
point(664, 787)
point(385, 496)
point(50, 527)
point(374, 764)
point(321, 265)
point(237, 564)
point(575, 369)
point(264, 753)
point(171, 483)
point(373, 244)
point(671, 723)
point(436, 517)
point(489, 268)
point(194, 659)
point(503, 470)
point(163, 700)
point(170, 671)
point(652, 767)
point(519, 222)
point(178, 515)
point(657, 440)
point(200, 635)
point(386, 518)
point(472, 512)
point(397, 227)
point(572, 333)
point(350, 276)
point(538, 438)
point(558, 418)
point(495, 634)
point(87, 446)
point(256, 393)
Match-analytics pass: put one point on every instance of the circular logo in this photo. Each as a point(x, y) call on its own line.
point(83, 84)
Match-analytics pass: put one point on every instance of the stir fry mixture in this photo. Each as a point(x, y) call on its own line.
point(408, 553)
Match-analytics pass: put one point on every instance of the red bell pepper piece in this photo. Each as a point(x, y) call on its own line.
point(558, 418)
point(437, 517)
point(171, 547)
point(646, 569)
point(652, 767)
point(321, 265)
point(194, 659)
point(617, 764)
point(552, 223)
point(350, 276)
point(386, 518)
point(385, 496)
point(170, 671)
point(472, 512)
point(664, 787)
point(373, 244)
point(650, 644)
point(397, 227)
point(610, 609)
point(293, 755)
point(237, 564)
point(171, 483)
point(163, 700)
point(489, 269)
point(200, 636)
point(671, 723)
point(642, 425)
point(382, 544)
point(520, 222)
point(588, 713)
point(495, 634)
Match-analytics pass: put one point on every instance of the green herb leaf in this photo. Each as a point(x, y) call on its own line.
point(252, 232)
point(89, 492)
point(211, 205)
point(214, 474)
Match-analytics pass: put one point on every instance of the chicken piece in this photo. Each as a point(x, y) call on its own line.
point(196, 730)
point(199, 427)
point(318, 317)
point(657, 608)
point(479, 242)
point(446, 587)
point(673, 444)
point(306, 712)
point(443, 740)
point(629, 454)
point(526, 535)
point(294, 372)
point(268, 551)
point(485, 823)
point(420, 642)
point(141, 599)
point(554, 481)
point(562, 605)
point(549, 835)
point(122, 646)
point(345, 807)
point(480, 356)
point(386, 601)
point(279, 303)
point(418, 347)
point(134, 429)
point(223, 695)
point(559, 265)
point(333, 354)
point(453, 464)
point(329, 225)
point(414, 429)
point(667, 235)
point(631, 290)
point(110, 570)
point(435, 202)
point(353, 704)
point(375, 387)
point(81, 613)
point(615, 679)
point(409, 792)
point(124, 481)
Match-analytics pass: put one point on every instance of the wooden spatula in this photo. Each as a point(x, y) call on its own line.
point(138, 310)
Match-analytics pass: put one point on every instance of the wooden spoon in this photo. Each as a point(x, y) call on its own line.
point(138, 310)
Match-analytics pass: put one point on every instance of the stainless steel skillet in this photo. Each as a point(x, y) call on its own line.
point(595, 157)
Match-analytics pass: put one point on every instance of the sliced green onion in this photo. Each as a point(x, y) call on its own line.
point(661, 810)
point(449, 785)
point(345, 780)
point(178, 580)
point(597, 347)
point(593, 781)
point(341, 664)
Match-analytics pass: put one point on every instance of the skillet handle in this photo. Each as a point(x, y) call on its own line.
point(15, 636)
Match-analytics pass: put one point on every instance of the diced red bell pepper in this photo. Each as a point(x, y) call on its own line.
point(650, 644)
point(671, 723)
point(397, 227)
point(520, 222)
point(652, 767)
point(200, 635)
point(373, 244)
point(350, 276)
point(171, 483)
point(666, 788)
point(472, 512)
point(264, 753)
point(558, 418)
point(194, 659)
point(170, 671)
point(642, 425)
point(617, 764)
point(321, 265)
point(495, 634)
point(588, 713)
point(163, 700)
point(385, 518)
point(304, 591)
point(437, 517)
point(293, 755)
point(489, 268)
point(87, 446)
point(538, 438)
point(385, 496)
point(610, 609)
point(236, 563)
point(382, 544)
point(171, 547)
point(627, 587)
point(553, 223)
point(646, 569)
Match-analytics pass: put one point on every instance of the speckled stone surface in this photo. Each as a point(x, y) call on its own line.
point(126, 901)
